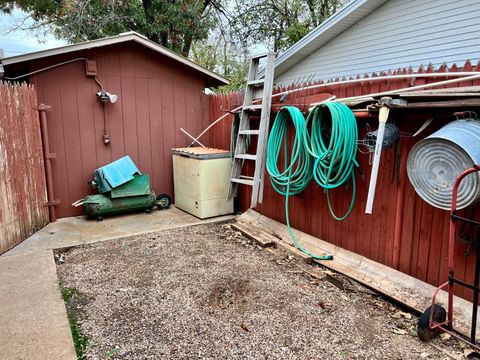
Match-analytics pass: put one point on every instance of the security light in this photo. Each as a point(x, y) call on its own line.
point(105, 97)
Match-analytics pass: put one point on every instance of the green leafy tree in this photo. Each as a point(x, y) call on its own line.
point(219, 54)
point(278, 23)
point(218, 34)
point(173, 23)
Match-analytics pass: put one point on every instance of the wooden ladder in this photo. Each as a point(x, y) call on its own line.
point(240, 155)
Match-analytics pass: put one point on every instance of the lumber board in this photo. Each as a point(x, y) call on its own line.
point(400, 287)
point(294, 251)
point(254, 234)
point(439, 104)
point(462, 89)
point(444, 94)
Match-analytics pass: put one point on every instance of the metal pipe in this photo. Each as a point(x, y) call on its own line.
point(379, 78)
point(47, 156)
point(106, 125)
point(191, 137)
point(473, 330)
point(431, 325)
point(418, 87)
point(365, 114)
point(44, 69)
point(465, 76)
point(451, 240)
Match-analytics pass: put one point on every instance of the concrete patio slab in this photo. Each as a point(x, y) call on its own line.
point(75, 231)
point(34, 321)
point(33, 317)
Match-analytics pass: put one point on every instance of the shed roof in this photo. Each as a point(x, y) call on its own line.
point(214, 79)
point(326, 31)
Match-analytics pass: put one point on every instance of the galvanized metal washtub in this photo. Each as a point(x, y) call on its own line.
point(435, 162)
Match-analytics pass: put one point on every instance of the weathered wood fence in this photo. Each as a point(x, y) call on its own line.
point(404, 231)
point(22, 178)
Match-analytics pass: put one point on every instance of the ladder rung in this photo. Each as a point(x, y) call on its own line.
point(249, 132)
point(253, 107)
point(246, 177)
point(259, 82)
point(242, 181)
point(246, 156)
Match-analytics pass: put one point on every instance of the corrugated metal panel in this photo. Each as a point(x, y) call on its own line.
point(398, 34)
point(22, 181)
point(404, 232)
point(156, 98)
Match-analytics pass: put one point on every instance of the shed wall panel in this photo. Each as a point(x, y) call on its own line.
point(155, 99)
point(397, 34)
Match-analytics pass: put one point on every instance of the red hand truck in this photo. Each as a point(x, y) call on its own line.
point(435, 318)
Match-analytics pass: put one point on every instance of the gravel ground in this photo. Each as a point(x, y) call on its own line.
point(208, 292)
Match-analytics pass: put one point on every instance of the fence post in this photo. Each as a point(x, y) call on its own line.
point(47, 156)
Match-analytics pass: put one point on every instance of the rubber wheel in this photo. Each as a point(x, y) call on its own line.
point(163, 201)
point(423, 330)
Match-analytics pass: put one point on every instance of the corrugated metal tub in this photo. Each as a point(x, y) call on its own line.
point(435, 162)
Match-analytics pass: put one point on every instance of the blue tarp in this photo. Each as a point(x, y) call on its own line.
point(115, 174)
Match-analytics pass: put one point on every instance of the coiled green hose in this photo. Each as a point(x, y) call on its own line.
point(297, 171)
point(310, 157)
point(335, 161)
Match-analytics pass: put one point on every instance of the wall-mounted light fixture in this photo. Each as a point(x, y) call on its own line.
point(106, 97)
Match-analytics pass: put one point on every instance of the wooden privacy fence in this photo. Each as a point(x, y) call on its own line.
point(404, 231)
point(22, 178)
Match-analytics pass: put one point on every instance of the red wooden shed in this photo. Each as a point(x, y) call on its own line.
point(158, 92)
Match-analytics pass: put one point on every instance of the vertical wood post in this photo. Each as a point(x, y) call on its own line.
point(47, 156)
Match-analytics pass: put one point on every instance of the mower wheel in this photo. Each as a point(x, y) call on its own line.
point(423, 329)
point(163, 201)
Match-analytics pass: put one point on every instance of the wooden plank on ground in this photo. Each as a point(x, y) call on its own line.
point(271, 240)
point(254, 234)
point(392, 283)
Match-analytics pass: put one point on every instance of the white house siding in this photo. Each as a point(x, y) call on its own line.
point(400, 33)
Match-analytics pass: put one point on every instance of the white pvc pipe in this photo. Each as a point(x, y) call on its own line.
point(382, 119)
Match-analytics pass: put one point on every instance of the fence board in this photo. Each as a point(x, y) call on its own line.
point(421, 236)
point(22, 180)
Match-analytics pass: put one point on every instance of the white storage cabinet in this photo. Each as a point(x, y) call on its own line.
point(201, 178)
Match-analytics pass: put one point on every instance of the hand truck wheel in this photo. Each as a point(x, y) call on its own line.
point(423, 329)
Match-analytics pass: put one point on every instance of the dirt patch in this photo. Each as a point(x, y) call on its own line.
point(228, 292)
point(208, 292)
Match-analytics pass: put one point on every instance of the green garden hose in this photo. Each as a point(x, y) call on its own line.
point(297, 171)
point(335, 161)
point(310, 157)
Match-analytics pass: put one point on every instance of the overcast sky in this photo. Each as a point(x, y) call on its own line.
point(19, 42)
